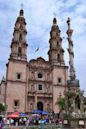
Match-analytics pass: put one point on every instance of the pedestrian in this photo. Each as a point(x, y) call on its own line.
point(1, 122)
point(27, 122)
point(11, 121)
point(8, 122)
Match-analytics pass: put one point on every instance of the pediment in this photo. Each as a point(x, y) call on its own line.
point(38, 61)
point(41, 60)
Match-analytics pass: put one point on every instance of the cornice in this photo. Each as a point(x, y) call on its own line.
point(16, 81)
point(39, 81)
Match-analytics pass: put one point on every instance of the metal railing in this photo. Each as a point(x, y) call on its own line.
point(34, 127)
point(42, 127)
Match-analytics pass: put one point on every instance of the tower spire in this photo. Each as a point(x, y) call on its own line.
point(54, 21)
point(56, 52)
point(70, 50)
point(21, 11)
point(19, 45)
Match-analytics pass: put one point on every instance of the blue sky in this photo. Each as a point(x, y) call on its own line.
point(39, 15)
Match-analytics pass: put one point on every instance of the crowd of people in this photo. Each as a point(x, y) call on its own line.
point(30, 120)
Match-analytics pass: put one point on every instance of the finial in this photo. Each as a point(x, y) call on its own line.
point(68, 22)
point(54, 21)
point(21, 11)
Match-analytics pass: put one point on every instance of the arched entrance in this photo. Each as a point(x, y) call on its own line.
point(40, 106)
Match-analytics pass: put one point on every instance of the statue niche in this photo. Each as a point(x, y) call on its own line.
point(77, 102)
point(32, 75)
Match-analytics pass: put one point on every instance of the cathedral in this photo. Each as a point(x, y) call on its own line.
point(37, 84)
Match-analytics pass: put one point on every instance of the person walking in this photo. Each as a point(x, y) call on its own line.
point(1, 122)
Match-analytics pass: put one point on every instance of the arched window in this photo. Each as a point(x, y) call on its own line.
point(58, 57)
point(20, 37)
point(40, 87)
point(19, 51)
point(59, 80)
point(40, 75)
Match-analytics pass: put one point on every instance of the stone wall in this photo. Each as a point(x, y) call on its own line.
point(74, 123)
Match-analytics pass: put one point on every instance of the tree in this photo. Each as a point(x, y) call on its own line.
point(84, 101)
point(61, 103)
point(2, 107)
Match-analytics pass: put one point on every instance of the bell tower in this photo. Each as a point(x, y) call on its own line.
point(16, 75)
point(56, 52)
point(57, 64)
point(19, 45)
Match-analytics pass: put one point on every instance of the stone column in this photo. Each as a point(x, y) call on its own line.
point(70, 50)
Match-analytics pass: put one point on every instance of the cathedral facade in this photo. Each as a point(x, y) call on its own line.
point(36, 84)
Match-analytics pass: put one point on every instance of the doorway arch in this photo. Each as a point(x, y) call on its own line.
point(40, 106)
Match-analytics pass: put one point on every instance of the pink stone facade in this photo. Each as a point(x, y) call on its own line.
point(26, 89)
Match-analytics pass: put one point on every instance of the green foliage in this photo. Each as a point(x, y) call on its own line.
point(84, 101)
point(61, 103)
point(2, 107)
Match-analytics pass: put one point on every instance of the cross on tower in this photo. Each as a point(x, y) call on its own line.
point(22, 5)
point(54, 14)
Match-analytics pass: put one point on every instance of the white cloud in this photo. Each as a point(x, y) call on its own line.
point(81, 9)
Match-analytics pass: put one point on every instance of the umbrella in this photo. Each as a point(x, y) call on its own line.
point(35, 115)
point(36, 111)
point(14, 115)
point(45, 113)
point(21, 114)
